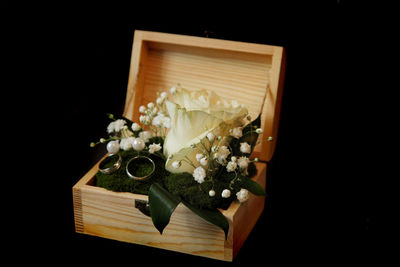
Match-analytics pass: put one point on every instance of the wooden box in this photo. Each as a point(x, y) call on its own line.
point(250, 73)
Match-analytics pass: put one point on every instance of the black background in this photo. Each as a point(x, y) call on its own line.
point(70, 65)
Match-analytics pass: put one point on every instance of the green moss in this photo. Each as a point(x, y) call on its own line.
point(182, 185)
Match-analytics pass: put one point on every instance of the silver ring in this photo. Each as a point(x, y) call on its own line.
point(113, 168)
point(136, 161)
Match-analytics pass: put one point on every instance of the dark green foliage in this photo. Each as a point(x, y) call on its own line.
point(162, 205)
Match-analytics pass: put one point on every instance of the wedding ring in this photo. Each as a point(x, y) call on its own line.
point(114, 167)
point(135, 163)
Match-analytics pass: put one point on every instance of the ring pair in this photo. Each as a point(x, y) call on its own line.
point(131, 166)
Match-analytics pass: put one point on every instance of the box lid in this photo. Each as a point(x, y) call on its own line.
point(250, 73)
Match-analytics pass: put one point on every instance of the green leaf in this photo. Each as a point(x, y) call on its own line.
point(252, 186)
point(162, 205)
point(212, 216)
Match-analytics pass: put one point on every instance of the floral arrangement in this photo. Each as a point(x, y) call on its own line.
point(198, 148)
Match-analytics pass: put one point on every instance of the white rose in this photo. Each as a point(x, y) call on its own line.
point(243, 195)
point(199, 174)
point(245, 148)
point(193, 118)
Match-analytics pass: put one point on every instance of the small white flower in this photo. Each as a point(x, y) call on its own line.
point(102, 140)
point(245, 148)
point(199, 174)
point(173, 90)
point(242, 195)
point(113, 147)
point(126, 143)
point(204, 161)
point(237, 132)
point(256, 159)
point(210, 137)
point(222, 154)
point(226, 193)
point(259, 130)
point(243, 162)
point(145, 136)
point(150, 105)
point(116, 126)
point(231, 166)
point(214, 148)
point(144, 119)
point(233, 158)
point(163, 95)
point(199, 156)
point(154, 148)
point(176, 164)
point(211, 193)
point(161, 121)
point(136, 127)
point(159, 101)
point(142, 109)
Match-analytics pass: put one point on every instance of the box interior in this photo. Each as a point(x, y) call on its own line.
point(233, 75)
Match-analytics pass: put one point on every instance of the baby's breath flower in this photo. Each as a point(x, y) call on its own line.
point(242, 195)
point(226, 193)
point(176, 164)
point(259, 130)
point(150, 105)
point(210, 137)
point(204, 161)
point(231, 166)
point(245, 148)
point(145, 135)
point(237, 132)
point(211, 193)
point(199, 156)
point(154, 148)
point(243, 162)
point(199, 174)
point(142, 109)
point(136, 127)
point(116, 126)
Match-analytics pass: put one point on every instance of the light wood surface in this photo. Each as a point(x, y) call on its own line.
point(252, 74)
point(113, 215)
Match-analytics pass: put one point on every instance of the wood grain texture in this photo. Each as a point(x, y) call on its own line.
point(113, 215)
point(252, 74)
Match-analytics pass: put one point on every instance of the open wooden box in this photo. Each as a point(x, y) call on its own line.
point(250, 73)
